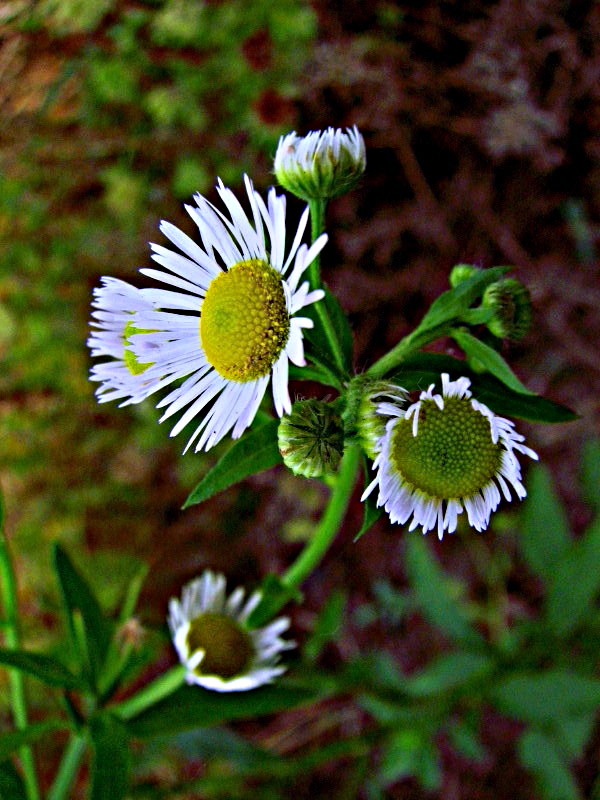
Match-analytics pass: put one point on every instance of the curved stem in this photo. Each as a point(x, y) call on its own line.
point(8, 589)
point(68, 768)
point(406, 347)
point(329, 523)
point(160, 688)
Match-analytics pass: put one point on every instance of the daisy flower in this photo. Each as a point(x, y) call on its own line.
point(213, 641)
point(445, 453)
point(228, 321)
point(123, 376)
point(321, 164)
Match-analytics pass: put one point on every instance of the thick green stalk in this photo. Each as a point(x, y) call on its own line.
point(330, 522)
point(406, 347)
point(68, 768)
point(317, 225)
point(8, 589)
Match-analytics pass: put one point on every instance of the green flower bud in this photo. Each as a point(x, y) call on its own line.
point(363, 417)
point(461, 273)
point(510, 301)
point(311, 439)
point(322, 164)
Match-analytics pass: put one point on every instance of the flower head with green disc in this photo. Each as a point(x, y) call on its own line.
point(444, 453)
point(228, 323)
point(214, 643)
point(124, 376)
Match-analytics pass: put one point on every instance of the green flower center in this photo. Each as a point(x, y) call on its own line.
point(227, 647)
point(452, 454)
point(244, 324)
point(129, 358)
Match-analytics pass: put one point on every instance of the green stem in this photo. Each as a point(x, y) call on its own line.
point(329, 523)
point(317, 226)
point(8, 589)
point(162, 687)
point(406, 347)
point(68, 768)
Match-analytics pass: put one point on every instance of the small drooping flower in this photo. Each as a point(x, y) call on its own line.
point(445, 453)
point(228, 321)
point(123, 376)
point(321, 164)
point(311, 439)
point(214, 643)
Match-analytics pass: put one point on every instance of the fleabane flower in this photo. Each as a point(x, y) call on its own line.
point(228, 321)
point(123, 375)
point(321, 164)
point(445, 453)
point(214, 643)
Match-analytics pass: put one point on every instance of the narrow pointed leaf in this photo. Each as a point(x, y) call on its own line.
point(79, 600)
point(541, 697)
point(45, 668)
point(193, 707)
point(422, 369)
point(489, 358)
point(256, 451)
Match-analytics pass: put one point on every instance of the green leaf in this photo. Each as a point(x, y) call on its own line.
point(540, 755)
point(275, 594)
point(448, 672)
point(575, 583)
point(452, 303)
point(489, 358)
point(433, 592)
point(256, 451)
point(572, 734)
point(80, 601)
point(110, 767)
point(11, 783)
point(9, 742)
point(422, 369)
point(328, 624)
point(466, 741)
point(544, 528)
point(542, 697)
point(590, 472)
point(45, 668)
point(193, 707)
point(410, 752)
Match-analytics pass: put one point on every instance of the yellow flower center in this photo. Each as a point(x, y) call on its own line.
point(244, 324)
point(452, 454)
point(129, 358)
point(227, 646)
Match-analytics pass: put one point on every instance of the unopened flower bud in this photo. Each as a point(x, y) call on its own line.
point(370, 421)
point(511, 303)
point(311, 439)
point(321, 164)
